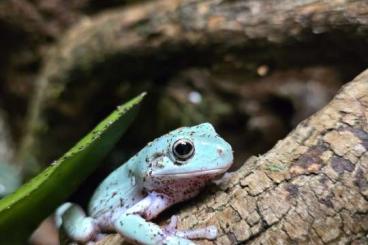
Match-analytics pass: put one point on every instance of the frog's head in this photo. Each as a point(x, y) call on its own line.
point(186, 153)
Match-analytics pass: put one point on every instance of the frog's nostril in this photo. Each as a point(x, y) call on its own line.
point(220, 151)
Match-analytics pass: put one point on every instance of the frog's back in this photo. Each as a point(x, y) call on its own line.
point(117, 192)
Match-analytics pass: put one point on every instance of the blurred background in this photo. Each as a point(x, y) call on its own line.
point(254, 69)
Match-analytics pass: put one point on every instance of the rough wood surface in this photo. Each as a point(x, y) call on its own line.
point(157, 39)
point(181, 24)
point(312, 187)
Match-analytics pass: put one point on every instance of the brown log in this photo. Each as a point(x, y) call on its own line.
point(165, 27)
point(311, 188)
point(158, 39)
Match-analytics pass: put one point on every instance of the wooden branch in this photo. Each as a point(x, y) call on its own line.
point(154, 41)
point(312, 187)
point(165, 27)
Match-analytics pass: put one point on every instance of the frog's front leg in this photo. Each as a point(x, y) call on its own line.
point(133, 224)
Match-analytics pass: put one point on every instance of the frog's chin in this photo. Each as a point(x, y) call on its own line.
point(179, 173)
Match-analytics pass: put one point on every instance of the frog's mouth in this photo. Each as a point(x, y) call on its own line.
point(181, 173)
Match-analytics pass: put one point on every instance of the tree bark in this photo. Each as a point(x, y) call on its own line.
point(312, 187)
point(158, 39)
point(181, 24)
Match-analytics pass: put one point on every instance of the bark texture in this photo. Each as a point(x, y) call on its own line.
point(312, 187)
point(144, 31)
point(156, 40)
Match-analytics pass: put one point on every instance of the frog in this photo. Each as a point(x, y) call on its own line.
point(171, 169)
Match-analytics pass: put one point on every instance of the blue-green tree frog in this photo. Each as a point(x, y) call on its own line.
point(170, 169)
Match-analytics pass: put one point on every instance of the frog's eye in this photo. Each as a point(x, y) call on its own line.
point(183, 149)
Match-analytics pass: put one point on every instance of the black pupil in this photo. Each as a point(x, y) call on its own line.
point(183, 148)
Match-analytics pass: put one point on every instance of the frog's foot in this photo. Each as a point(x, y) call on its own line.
point(224, 179)
point(171, 227)
point(76, 225)
point(100, 236)
point(209, 232)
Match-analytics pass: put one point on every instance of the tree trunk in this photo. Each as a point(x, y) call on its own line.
point(312, 187)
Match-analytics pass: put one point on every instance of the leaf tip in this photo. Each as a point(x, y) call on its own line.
point(143, 94)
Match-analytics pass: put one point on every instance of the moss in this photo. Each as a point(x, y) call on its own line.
point(276, 167)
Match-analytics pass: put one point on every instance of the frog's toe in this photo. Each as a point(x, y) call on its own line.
point(175, 240)
point(209, 232)
point(171, 227)
point(77, 225)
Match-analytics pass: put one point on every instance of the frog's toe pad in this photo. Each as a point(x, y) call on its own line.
point(209, 232)
point(175, 240)
point(171, 227)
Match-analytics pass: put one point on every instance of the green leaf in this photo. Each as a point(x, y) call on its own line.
point(22, 211)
